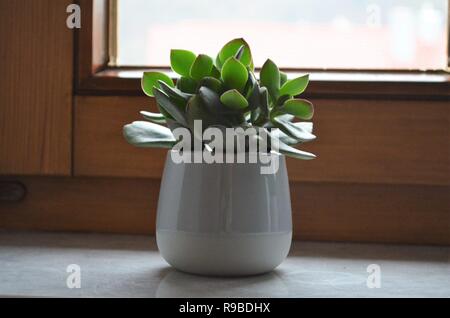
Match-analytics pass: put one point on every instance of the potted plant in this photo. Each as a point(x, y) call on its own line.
point(217, 216)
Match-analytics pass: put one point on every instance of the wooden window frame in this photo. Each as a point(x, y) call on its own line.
point(94, 76)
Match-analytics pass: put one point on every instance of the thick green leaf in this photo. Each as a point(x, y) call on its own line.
point(287, 117)
point(145, 134)
point(181, 61)
point(264, 93)
point(260, 114)
point(150, 80)
point(215, 72)
point(210, 99)
point(240, 52)
point(174, 92)
point(201, 67)
point(176, 96)
point(153, 117)
point(217, 112)
point(212, 83)
point(281, 136)
point(187, 85)
point(254, 97)
point(164, 112)
point(264, 106)
point(231, 49)
point(270, 78)
point(306, 126)
point(295, 153)
point(277, 133)
point(169, 106)
point(283, 117)
point(233, 99)
point(283, 78)
point(255, 115)
point(282, 99)
point(300, 108)
point(173, 124)
point(297, 132)
point(221, 114)
point(196, 111)
point(250, 85)
point(295, 86)
point(217, 63)
point(234, 74)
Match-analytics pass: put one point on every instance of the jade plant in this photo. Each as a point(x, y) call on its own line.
point(224, 92)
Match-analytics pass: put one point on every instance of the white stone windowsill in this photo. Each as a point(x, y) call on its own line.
point(34, 264)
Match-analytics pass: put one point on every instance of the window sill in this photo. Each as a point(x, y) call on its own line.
point(133, 263)
point(323, 84)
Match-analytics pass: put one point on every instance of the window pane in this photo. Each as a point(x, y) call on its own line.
point(345, 34)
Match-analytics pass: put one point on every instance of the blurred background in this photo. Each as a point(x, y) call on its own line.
point(347, 34)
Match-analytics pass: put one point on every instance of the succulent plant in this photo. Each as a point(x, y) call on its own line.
point(224, 92)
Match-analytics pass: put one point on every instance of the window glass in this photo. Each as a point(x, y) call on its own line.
point(344, 34)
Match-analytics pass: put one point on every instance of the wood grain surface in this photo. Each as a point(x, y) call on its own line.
point(321, 211)
point(359, 141)
point(36, 67)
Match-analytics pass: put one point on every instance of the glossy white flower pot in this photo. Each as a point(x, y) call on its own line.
point(224, 219)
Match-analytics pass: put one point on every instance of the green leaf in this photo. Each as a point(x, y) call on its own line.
point(295, 153)
point(175, 94)
point(281, 136)
point(181, 61)
point(240, 52)
point(173, 124)
point(306, 126)
point(270, 78)
point(218, 113)
point(233, 99)
point(250, 86)
point(295, 86)
point(300, 108)
point(260, 115)
point(210, 99)
point(187, 85)
point(201, 67)
point(215, 72)
point(254, 97)
point(297, 132)
point(234, 74)
point(170, 106)
point(287, 117)
point(212, 83)
point(145, 134)
point(288, 140)
point(164, 112)
point(283, 117)
point(283, 78)
point(150, 80)
point(282, 99)
point(196, 111)
point(264, 100)
point(177, 97)
point(153, 117)
point(231, 49)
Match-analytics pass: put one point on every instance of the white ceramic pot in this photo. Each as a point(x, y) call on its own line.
point(224, 219)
